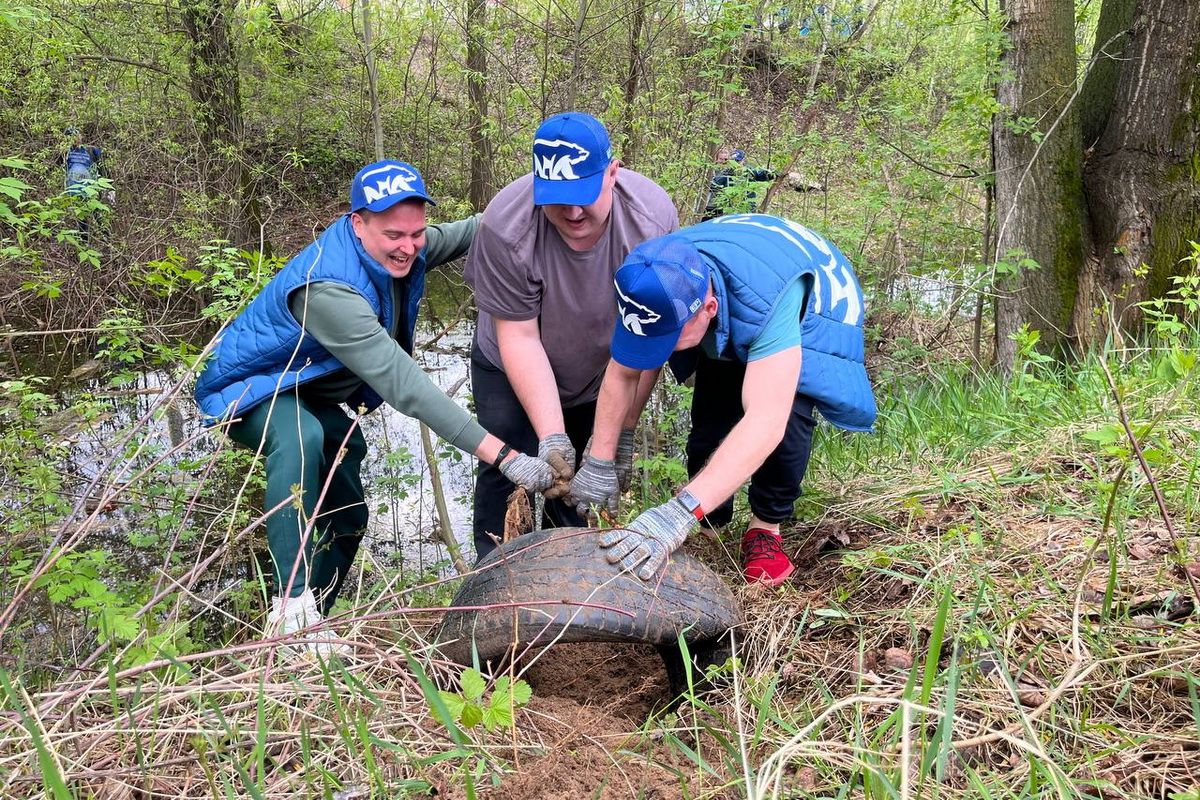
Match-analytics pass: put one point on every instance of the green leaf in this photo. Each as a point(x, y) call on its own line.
point(121, 626)
point(1109, 434)
point(454, 704)
point(1183, 361)
point(13, 187)
point(830, 613)
point(498, 715)
point(472, 715)
point(522, 692)
point(472, 684)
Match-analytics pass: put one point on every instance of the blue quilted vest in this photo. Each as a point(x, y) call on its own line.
point(263, 352)
point(754, 258)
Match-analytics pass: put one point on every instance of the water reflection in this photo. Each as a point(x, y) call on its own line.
point(154, 421)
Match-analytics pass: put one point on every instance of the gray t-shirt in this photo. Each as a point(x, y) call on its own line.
point(521, 269)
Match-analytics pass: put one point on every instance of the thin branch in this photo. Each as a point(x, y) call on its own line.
point(1158, 496)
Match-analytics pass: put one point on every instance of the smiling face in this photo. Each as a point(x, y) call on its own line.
point(581, 226)
point(392, 237)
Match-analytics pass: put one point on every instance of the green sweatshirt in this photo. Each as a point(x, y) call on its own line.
point(343, 322)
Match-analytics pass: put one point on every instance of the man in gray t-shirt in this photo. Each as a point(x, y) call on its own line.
point(542, 267)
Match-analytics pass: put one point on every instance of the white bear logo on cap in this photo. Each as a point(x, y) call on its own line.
point(630, 316)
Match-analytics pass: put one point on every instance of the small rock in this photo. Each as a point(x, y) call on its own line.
point(898, 658)
point(1143, 622)
point(806, 779)
point(1193, 569)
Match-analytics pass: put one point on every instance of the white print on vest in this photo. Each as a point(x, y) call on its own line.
point(558, 166)
point(631, 319)
point(836, 274)
point(398, 180)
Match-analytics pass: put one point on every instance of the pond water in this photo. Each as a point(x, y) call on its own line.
point(403, 531)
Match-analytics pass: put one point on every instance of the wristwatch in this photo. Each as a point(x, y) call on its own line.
point(690, 502)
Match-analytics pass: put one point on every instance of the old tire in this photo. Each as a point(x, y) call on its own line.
point(556, 586)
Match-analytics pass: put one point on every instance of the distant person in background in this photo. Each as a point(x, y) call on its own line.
point(81, 164)
point(335, 328)
point(735, 186)
point(82, 171)
point(831, 25)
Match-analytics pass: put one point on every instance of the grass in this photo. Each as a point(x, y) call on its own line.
point(988, 604)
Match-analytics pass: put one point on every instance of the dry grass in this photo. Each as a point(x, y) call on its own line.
point(1064, 654)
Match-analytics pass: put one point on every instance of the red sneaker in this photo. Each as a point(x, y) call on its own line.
point(763, 559)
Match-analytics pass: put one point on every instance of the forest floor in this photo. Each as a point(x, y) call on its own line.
point(957, 626)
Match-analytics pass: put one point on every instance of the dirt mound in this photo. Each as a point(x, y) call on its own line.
point(590, 701)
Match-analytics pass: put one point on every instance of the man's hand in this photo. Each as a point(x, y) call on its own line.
point(596, 483)
point(559, 443)
point(651, 538)
point(625, 458)
point(532, 474)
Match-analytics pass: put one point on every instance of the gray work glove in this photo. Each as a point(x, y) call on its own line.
point(533, 474)
point(625, 458)
point(596, 483)
point(558, 443)
point(557, 451)
point(652, 537)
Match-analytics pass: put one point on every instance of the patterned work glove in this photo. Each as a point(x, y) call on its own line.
point(559, 443)
point(596, 483)
point(625, 458)
point(652, 537)
point(533, 474)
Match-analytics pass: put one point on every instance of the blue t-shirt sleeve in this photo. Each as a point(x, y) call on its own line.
point(782, 328)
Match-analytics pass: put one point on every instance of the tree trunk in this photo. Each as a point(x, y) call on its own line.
point(632, 81)
point(216, 92)
point(1100, 84)
point(372, 79)
point(1039, 185)
point(480, 188)
point(1143, 175)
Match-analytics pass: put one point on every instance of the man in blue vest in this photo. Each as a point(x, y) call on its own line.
point(768, 316)
point(335, 327)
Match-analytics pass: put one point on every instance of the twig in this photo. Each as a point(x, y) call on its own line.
point(445, 528)
point(1158, 497)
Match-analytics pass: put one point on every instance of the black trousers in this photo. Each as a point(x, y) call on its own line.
point(716, 408)
point(501, 414)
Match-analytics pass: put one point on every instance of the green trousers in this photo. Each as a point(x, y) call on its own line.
point(301, 442)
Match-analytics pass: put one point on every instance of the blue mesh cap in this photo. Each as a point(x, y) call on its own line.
point(571, 152)
point(661, 285)
point(379, 186)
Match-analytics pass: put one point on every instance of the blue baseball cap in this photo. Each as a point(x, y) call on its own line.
point(570, 153)
point(738, 155)
point(661, 285)
point(379, 186)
